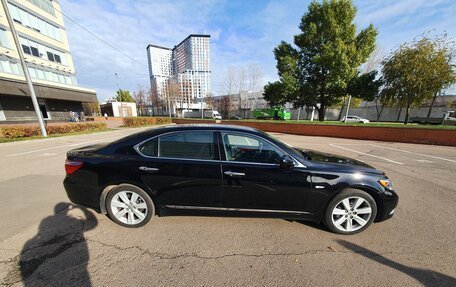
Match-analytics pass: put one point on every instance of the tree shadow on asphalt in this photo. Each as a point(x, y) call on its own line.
point(58, 255)
point(424, 276)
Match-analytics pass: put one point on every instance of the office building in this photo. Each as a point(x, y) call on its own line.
point(187, 64)
point(41, 31)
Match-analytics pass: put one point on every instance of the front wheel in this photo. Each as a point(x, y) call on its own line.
point(129, 206)
point(350, 212)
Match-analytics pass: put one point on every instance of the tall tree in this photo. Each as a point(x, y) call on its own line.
point(124, 96)
point(140, 99)
point(274, 93)
point(328, 54)
point(230, 85)
point(416, 72)
point(254, 75)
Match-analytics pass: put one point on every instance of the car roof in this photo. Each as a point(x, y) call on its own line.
point(183, 127)
point(155, 131)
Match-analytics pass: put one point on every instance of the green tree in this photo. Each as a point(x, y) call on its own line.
point(417, 71)
point(124, 96)
point(274, 93)
point(365, 86)
point(327, 57)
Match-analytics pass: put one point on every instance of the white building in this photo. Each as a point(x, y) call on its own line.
point(43, 39)
point(119, 109)
point(160, 68)
point(188, 63)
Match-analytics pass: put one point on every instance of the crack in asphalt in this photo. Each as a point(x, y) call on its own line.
point(165, 256)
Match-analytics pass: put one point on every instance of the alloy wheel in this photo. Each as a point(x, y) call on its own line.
point(351, 214)
point(129, 207)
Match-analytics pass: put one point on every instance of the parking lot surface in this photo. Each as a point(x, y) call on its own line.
point(44, 240)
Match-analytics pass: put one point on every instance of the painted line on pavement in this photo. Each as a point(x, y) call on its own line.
point(363, 153)
point(417, 153)
point(57, 147)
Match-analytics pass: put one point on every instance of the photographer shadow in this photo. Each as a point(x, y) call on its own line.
point(58, 255)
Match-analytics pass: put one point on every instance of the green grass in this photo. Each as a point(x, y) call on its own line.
point(6, 140)
point(338, 123)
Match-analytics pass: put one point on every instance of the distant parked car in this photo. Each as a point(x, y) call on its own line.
point(235, 118)
point(355, 119)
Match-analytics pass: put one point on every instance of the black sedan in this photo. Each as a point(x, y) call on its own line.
point(228, 170)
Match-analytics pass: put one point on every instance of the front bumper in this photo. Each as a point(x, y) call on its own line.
point(390, 200)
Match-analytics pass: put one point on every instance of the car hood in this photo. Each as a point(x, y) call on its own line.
point(317, 156)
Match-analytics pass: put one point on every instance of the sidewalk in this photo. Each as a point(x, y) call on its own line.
point(111, 123)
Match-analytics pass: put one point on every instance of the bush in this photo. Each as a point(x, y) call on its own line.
point(145, 121)
point(12, 132)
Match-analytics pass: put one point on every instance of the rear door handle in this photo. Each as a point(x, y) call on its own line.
point(148, 169)
point(232, 173)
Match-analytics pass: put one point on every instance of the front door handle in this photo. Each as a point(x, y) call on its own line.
point(148, 169)
point(232, 173)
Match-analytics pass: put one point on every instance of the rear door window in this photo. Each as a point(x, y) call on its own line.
point(188, 145)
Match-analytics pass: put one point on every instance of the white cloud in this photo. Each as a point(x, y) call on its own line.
point(237, 39)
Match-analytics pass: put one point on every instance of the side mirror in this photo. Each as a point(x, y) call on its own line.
point(286, 162)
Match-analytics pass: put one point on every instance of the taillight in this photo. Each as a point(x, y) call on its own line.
point(72, 166)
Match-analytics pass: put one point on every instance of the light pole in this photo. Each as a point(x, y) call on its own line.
point(348, 108)
point(28, 79)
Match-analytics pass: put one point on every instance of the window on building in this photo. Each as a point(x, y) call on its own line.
point(26, 49)
point(4, 39)
point(50, 56)
point(45, 5)
point(35, 51)
point(29, 20)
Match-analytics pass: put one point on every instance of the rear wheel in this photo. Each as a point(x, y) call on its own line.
point(129, 206)
point(350, 212)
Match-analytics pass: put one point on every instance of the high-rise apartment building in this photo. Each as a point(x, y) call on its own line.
point(160, 67)
point(188, 64)
point(41, 31)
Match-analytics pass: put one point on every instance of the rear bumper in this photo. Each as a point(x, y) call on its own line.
point(82, 194)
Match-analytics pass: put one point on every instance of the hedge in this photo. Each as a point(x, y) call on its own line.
point(145, 121)
point(12, 132)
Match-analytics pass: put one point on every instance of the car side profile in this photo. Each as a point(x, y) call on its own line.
point(225, 170)
point(355, 119)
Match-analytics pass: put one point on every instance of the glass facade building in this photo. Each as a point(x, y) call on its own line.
point(44, 43)
point(188, 64)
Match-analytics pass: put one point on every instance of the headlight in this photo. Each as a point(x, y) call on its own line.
point(386, 183)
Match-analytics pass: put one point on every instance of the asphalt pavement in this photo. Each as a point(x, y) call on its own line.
point(46, 241)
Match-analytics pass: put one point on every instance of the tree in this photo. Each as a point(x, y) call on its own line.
point(225, 106)
point(274, 93)
point(173, 93)
point(140, 100)
point(209, 100)
point(230, 87)
point(153, 98)
point(91, 109)
point(328, 55)
point(365, 86)
point(124, 96)
point(254, 76)
point(444, 75)
point(416, 72)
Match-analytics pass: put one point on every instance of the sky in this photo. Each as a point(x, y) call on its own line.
point(242, 33)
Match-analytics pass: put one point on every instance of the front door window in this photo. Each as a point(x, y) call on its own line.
point(243, 148)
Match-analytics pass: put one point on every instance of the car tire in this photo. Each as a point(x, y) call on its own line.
point(350, 212)
point(129, 206)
